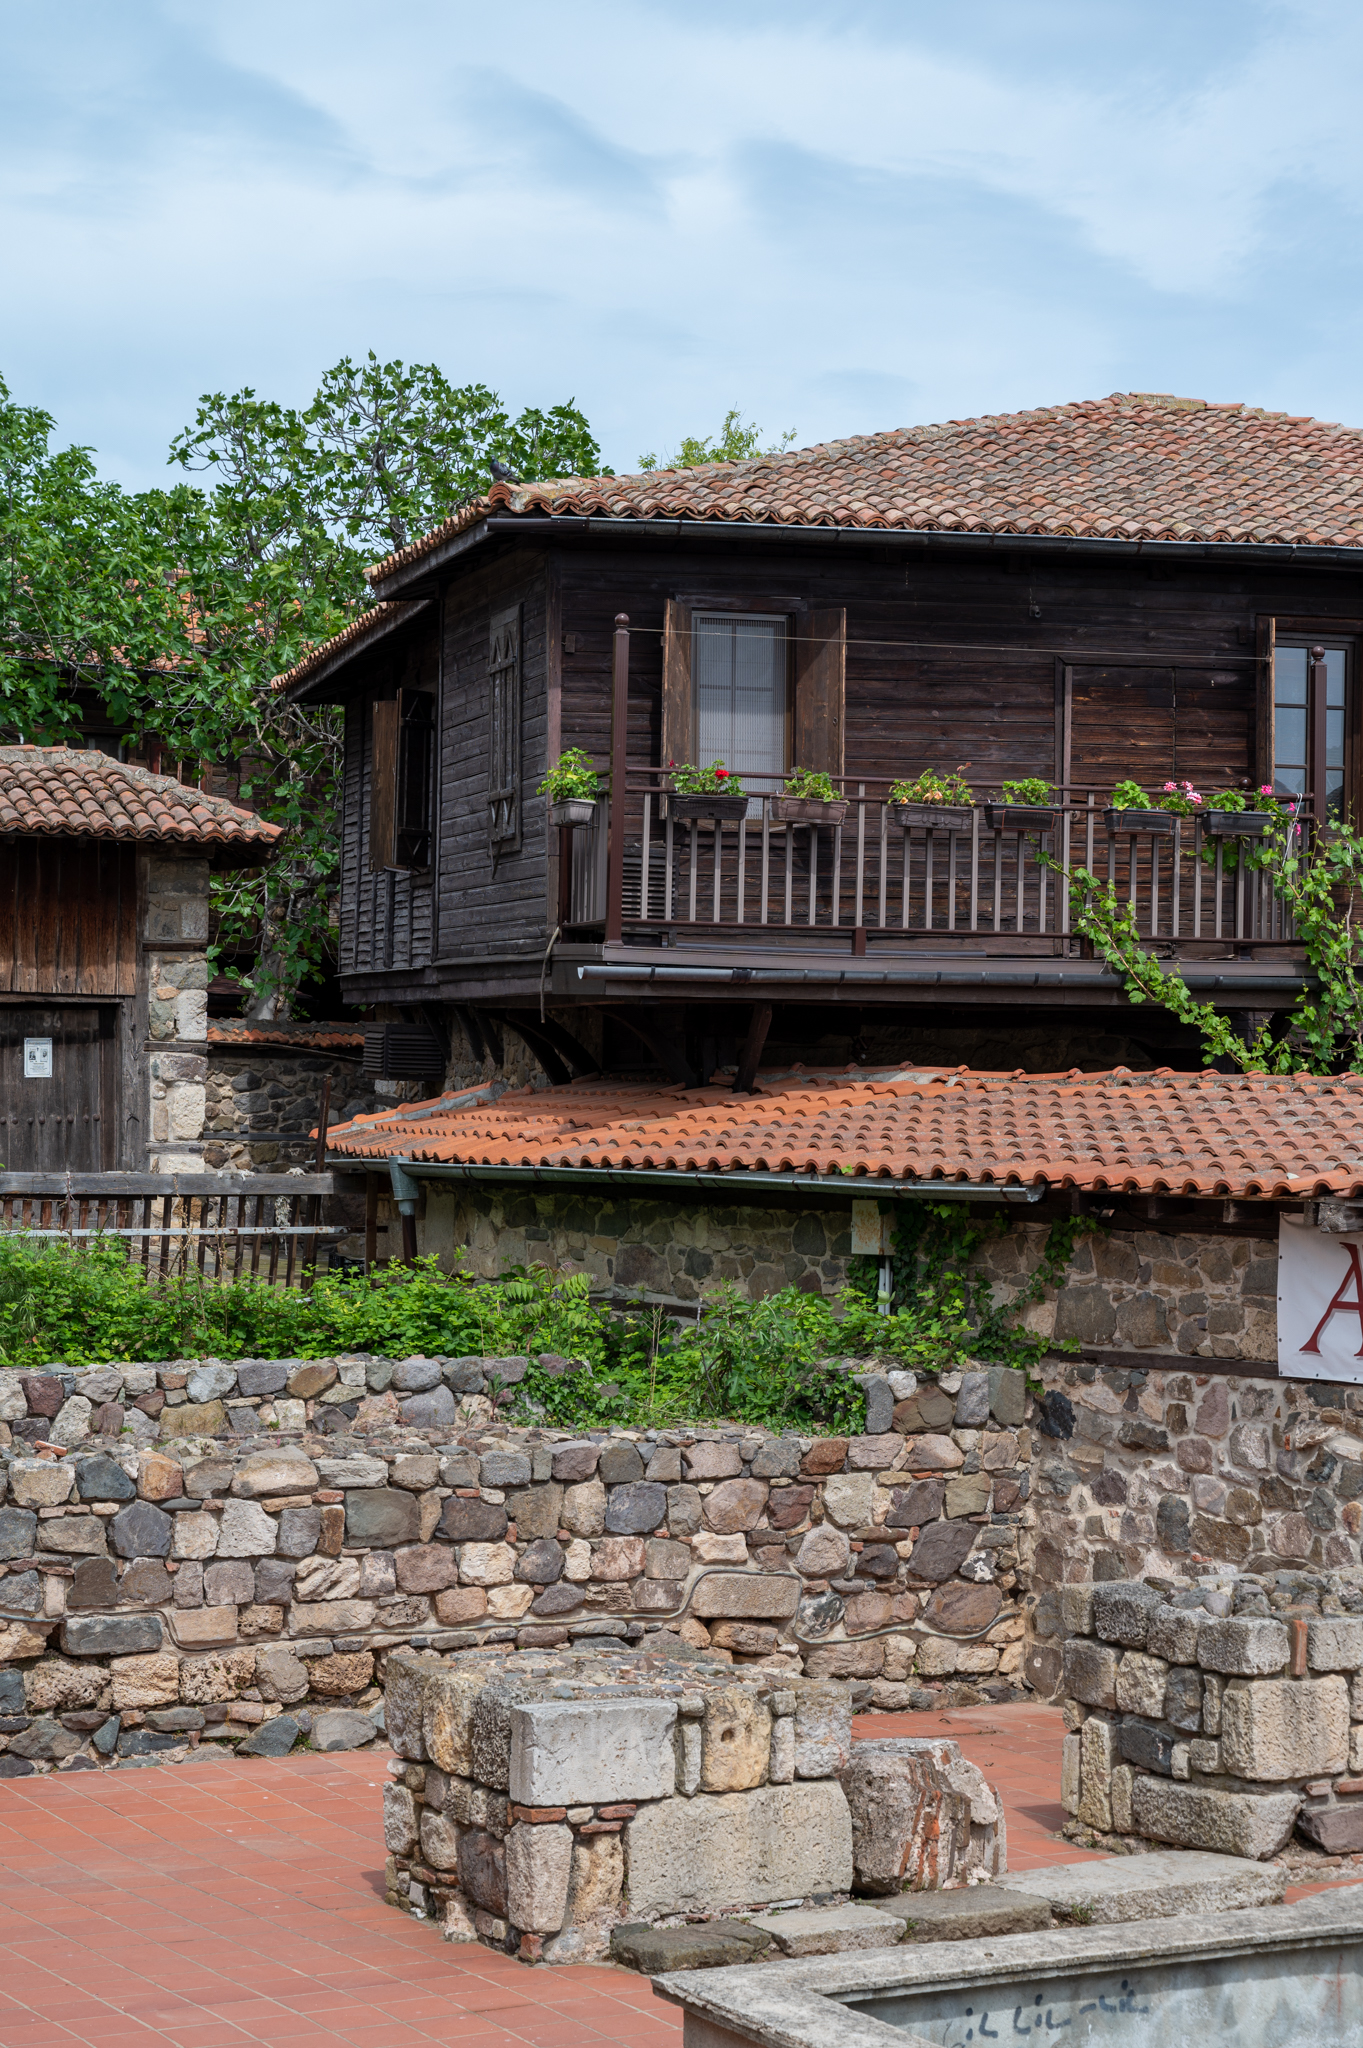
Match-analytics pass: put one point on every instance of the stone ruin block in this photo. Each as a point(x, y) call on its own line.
point(540, 1799)
point(1219, 1713)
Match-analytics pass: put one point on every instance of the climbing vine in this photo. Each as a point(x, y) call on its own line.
point(942, 1313)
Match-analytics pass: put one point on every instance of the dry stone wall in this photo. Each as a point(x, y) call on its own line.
point(209, 1551)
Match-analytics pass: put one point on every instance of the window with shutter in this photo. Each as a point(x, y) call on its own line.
point(400, 782)
point(504, 727)
point(739, 664)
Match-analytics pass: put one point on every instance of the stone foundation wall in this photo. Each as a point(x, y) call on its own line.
point(255, 1093)
point(677, 1250)
point(199, 1534)
point(1170, 1473)
point(1219, 1714)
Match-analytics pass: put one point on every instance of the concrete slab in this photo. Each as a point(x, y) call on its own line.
point(967, 1915)
point(1153, 1887)
point(830, 1930)
point(715, 1945)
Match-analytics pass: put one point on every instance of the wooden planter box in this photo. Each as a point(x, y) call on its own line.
point(1019, 817)
point(934, 817)
point(689, 810)
point(573, 810)
point(1138, 821)
point(1236, 824)
point(806, 810)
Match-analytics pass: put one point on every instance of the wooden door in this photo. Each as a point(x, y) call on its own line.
point(63, 1119)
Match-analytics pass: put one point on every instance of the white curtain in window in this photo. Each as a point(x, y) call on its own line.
point(739, 664)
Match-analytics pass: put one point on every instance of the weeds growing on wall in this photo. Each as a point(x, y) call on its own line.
point(773, 1361)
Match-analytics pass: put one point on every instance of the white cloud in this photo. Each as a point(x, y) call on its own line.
point(667, 209)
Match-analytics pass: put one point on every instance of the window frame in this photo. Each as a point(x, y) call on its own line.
point(1281, 631)
point(505, 709)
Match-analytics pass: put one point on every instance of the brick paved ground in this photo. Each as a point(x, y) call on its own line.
point(220, 1905)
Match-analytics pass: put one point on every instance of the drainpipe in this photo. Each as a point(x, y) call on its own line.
point(406, 1194)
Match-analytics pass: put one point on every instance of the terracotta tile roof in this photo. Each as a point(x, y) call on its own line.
point(63, 793)
point(230, 1031)
point(1135, 466)
point(378, 619)
point(1160, 1133)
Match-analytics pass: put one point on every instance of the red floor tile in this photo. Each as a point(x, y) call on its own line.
point(231, 1904)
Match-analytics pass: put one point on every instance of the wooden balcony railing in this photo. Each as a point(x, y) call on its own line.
point(810, 883)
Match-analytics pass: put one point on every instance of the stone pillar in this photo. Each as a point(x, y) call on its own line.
point(176, 932)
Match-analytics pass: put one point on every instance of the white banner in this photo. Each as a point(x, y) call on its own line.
point(1320, 1303)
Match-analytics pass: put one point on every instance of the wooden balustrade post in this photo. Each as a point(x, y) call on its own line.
point(615, 845)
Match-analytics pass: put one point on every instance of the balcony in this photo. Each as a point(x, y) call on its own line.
point(873, 894)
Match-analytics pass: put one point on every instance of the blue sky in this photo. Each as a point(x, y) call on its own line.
point(839, 217)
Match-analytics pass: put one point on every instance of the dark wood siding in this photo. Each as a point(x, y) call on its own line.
point(68, 917)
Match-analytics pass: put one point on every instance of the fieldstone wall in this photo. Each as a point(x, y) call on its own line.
point(256, 1092)
point(176, 934)
point(1217, 1714)
point(680, 1251)
point(1177, 1294)
point(1166, 1473)
point(196, 1535)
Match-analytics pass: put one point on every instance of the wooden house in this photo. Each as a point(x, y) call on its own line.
point(104, 879)
point(1141, 587)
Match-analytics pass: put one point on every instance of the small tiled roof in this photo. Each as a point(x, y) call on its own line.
point(1158, 1133)
point(241, 1031)
point(1134, 466)
point(59, 792)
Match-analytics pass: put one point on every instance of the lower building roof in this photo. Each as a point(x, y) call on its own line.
point(1246, 1136)
point(79, 793)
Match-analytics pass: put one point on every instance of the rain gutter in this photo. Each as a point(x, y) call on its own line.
point(933, 977)
point(405, 1174)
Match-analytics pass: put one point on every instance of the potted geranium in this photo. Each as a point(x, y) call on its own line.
point(808, 798)
point(942, 802)
point(1027, 806)
point(698, 793)
point(572, 789)
point(1132, 811)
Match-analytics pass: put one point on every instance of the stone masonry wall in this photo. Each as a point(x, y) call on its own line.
point(253, 1094)
point(1170, 1473)
point(176, 933)
point(678, 1250)
point(190, 1549)
point(1220, 1713)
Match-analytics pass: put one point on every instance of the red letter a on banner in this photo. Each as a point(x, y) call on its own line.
point(1354, 1307)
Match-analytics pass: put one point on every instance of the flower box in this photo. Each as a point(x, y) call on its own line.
point(1138, 821)
point(807, 810)
point(934, 817)
point(573, 810)
point(1019, 817)
point(689, 810)
point(1236, 824)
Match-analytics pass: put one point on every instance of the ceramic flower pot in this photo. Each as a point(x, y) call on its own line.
point(1019, 817)
point(573, 810)
point(1236, 824)
point(711, 804)
point(1138, 821)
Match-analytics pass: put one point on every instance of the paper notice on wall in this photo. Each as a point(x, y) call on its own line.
point(1320, 1303)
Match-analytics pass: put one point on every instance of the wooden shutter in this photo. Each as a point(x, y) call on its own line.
point(1265, 748)
point(820, 690)
point(504, 727)
point(676, 714)
point(383, 781)
point(412, 803)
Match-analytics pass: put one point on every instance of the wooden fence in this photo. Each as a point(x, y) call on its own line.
point(269, 1227)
